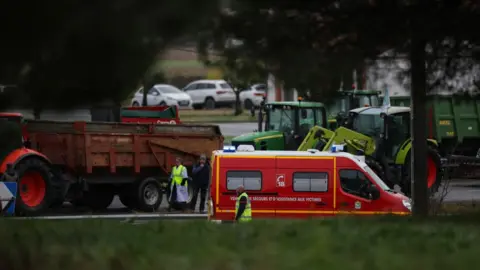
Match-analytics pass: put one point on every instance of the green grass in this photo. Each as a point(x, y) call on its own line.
point(342, 243)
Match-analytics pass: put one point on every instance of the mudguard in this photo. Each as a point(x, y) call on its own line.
point(405, 149)
point(19, 154)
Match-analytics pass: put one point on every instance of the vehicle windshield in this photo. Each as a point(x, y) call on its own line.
point(368, 124)
point(168, 89)
point(378, 181)
point(281, 119)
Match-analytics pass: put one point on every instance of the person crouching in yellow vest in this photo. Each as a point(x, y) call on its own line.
point(243, 207)
point(178, 187)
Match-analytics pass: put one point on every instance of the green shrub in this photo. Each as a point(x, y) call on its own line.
point(340, 243)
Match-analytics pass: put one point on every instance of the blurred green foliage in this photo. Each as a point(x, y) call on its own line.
point(395, 243)
point(67, 53)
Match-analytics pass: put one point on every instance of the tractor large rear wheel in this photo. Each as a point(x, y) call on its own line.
point(379, 171)
point(434, 172)
point(35, 189)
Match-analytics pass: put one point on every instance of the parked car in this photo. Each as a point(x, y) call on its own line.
point(252, 96)
point(163, 94)
point(210, 94)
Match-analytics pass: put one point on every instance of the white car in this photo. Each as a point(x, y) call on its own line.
point(210, 94)
point(163, 94)
point(253, 96)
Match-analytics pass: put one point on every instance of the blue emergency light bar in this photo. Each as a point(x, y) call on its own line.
point(229, 149)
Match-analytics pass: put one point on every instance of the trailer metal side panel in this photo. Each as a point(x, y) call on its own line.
point(83, 146)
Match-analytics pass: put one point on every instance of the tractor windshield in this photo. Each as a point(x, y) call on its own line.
point(368, 124)
point(281, 119)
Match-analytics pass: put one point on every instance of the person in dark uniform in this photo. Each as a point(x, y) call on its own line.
point(201, 179)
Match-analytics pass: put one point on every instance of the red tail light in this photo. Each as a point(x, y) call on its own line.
point(259, 94)
point(221, 92)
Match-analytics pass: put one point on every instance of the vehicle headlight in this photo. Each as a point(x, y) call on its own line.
point(407, 204)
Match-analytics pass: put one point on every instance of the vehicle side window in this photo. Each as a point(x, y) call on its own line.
point(310, 181)
point(306, 120)
point(200, 86)
point(354, 182)
point(225, 86)
point(192, 87)
point(251, 180)
point(210, 86)
point(318, 117)
point(140, 91)
point(153, 92)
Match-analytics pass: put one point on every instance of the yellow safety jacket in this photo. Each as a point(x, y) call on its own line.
point(177, 175)
point(247, 214)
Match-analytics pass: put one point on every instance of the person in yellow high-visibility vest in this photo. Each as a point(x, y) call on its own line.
point(243, 207)
point(178, 186)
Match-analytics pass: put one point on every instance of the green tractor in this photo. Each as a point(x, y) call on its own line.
point(383, 136)
point(286, 125)
point(349, 100)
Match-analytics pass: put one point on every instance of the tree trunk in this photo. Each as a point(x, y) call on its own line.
point(418, 123)
point(238, 105)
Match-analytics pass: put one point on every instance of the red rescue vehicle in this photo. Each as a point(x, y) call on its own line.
point(291, 184)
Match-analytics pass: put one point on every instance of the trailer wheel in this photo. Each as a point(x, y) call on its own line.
point(434, 172)
point(35, 188)
point(149, 194)
point(98, 197)
point(378, 169)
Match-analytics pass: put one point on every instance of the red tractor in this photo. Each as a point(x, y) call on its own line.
point(31, 169)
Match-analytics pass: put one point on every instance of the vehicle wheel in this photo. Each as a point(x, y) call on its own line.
point(35, 189)
point(434, 172)
point(149, 194)
point(209, 104)
point(378, 169)
point(135, 104)
point(248, 104)
point(98, 197)
point(197, 107)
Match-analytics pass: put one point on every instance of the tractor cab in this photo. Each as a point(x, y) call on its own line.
point(286, 125)
point(389, 128)
point(348, 100)
point(10, 133)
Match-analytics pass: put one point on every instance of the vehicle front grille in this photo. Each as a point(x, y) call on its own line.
point(183, 102)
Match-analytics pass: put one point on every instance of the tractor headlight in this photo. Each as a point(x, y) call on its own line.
point(407, 204)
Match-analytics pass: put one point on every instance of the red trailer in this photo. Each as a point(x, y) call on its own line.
point(90, 162)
